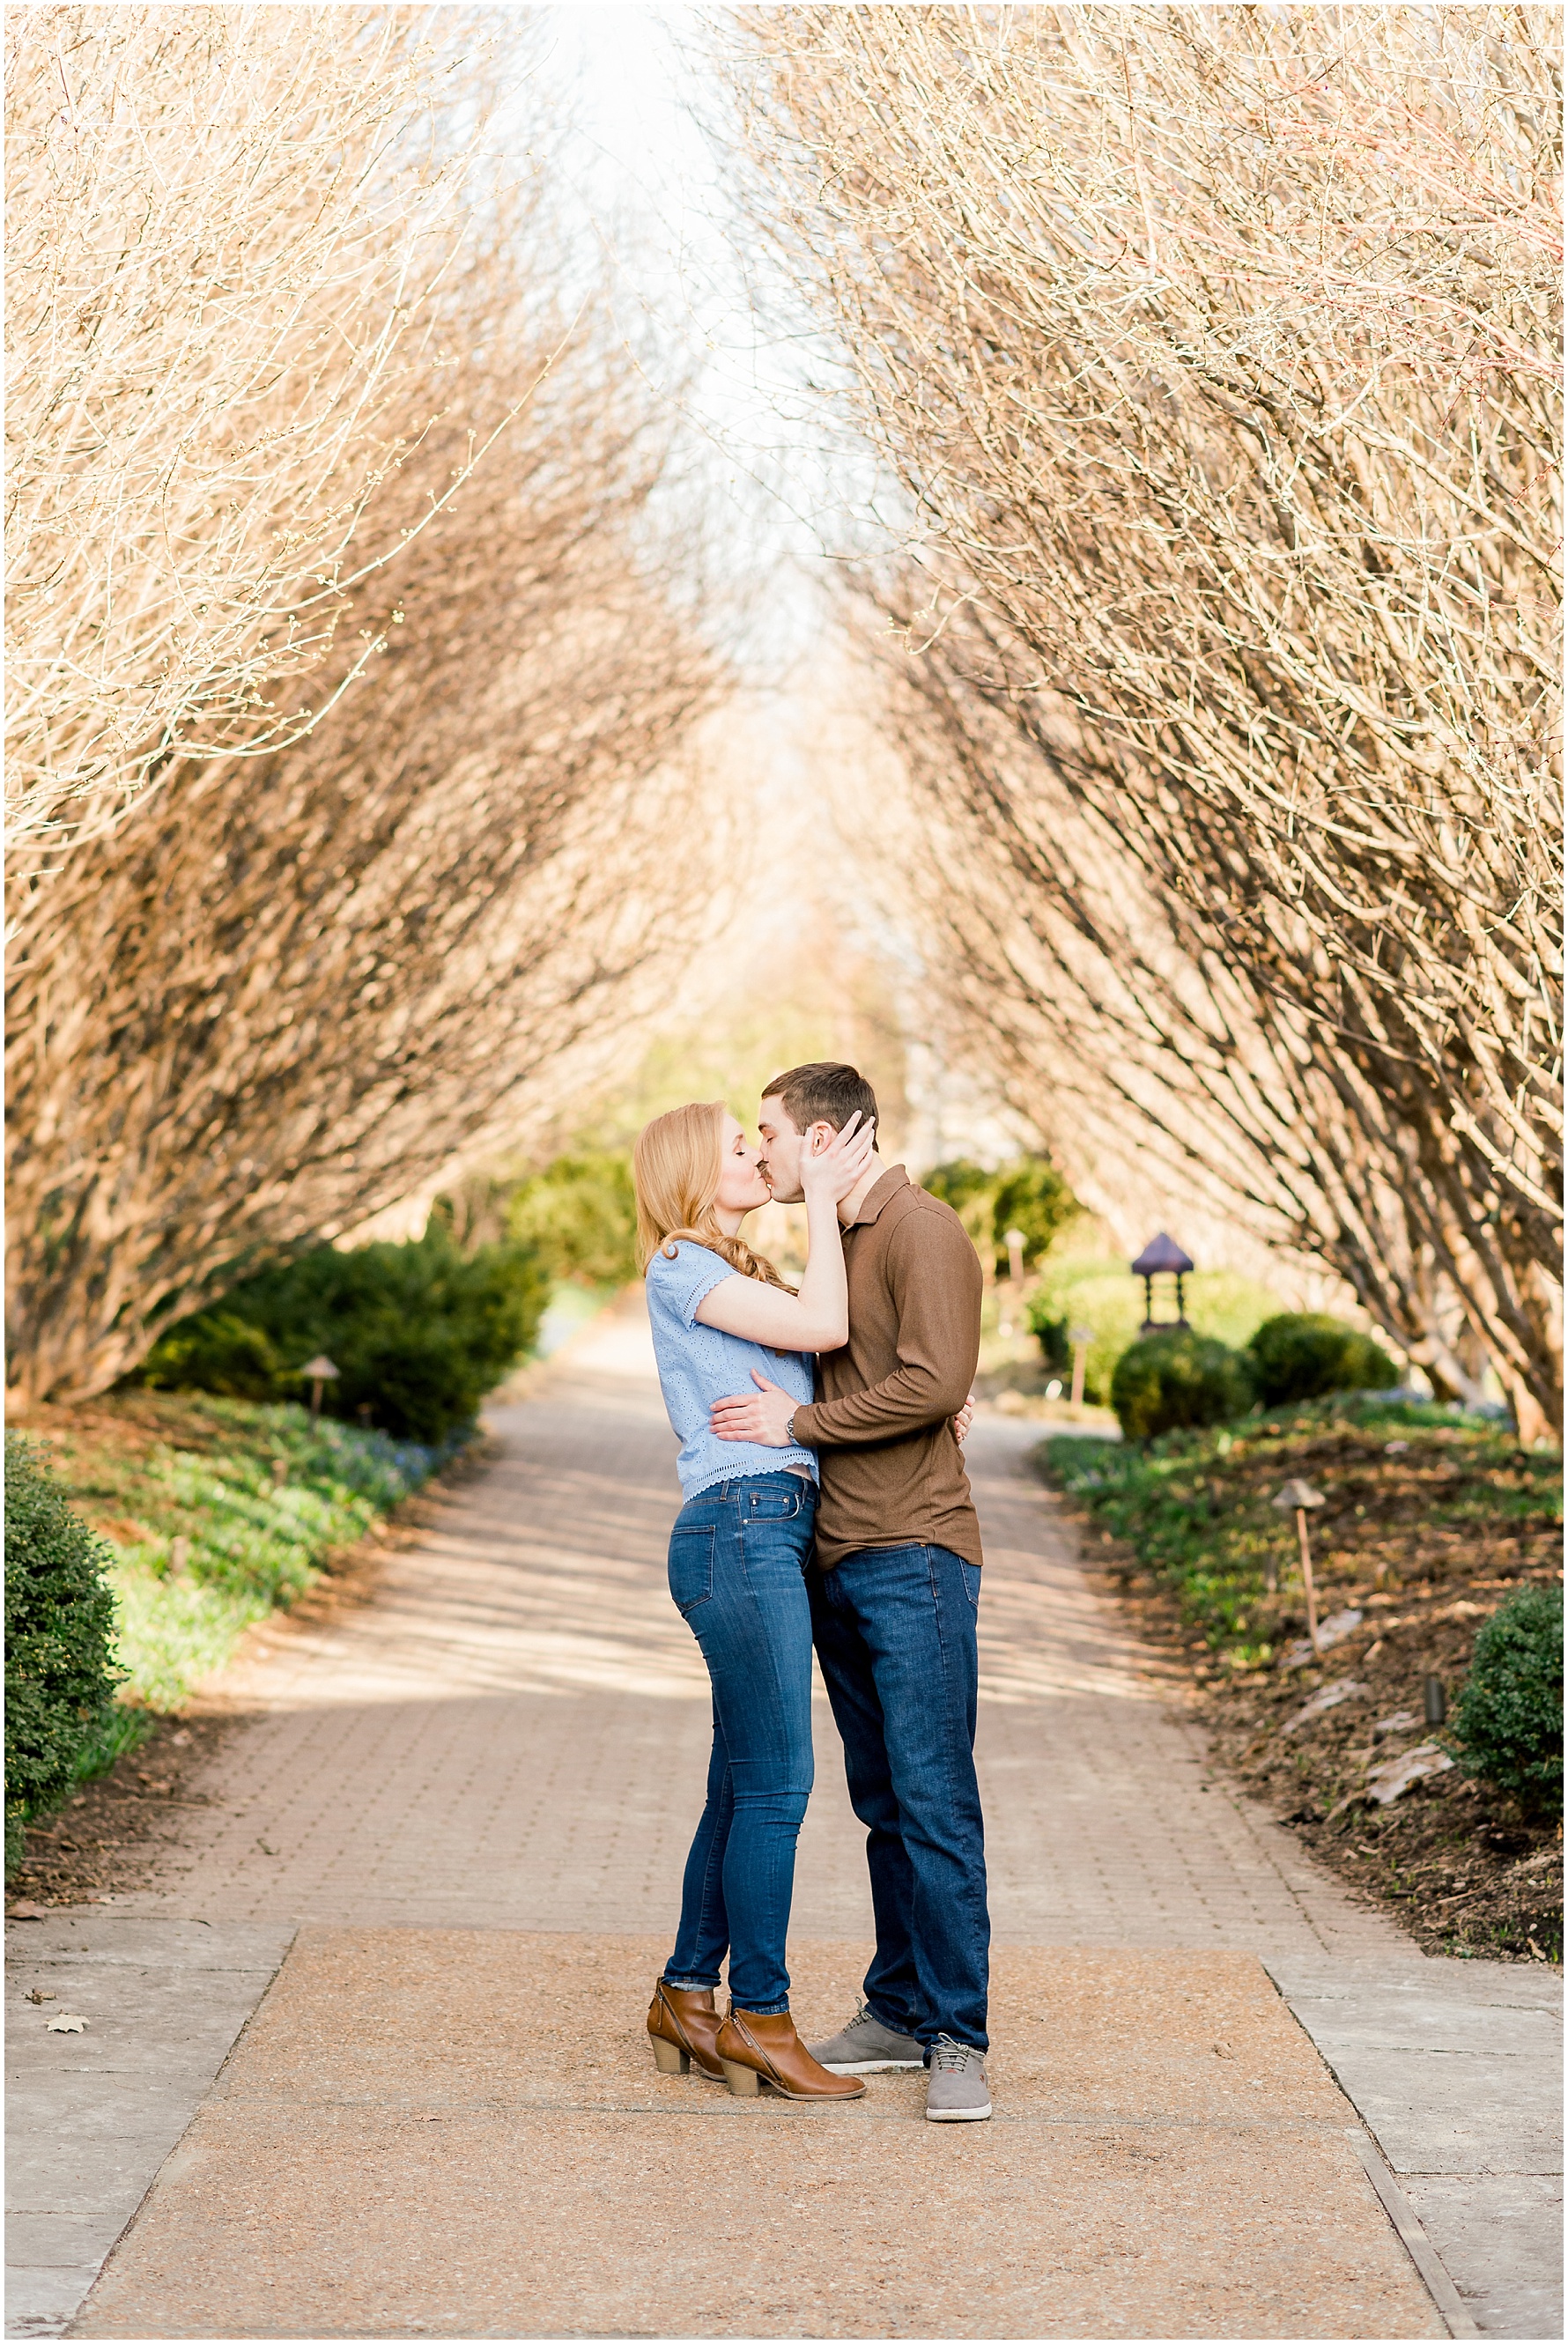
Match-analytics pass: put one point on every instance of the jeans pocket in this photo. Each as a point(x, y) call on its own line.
point(691, 1568)
point(765, 1506)
point(971, 1572)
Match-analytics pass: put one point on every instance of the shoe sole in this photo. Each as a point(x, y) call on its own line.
point(958, 2116)
point(750, 2083)
point(871, 2067)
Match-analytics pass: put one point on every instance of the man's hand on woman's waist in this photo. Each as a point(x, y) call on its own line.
point(763, 1416)
point(767, 1417)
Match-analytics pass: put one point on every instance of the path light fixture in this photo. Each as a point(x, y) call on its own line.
point(321, 1372)
point(1435, 1701)
point(1080, 1338)
point(1161, 1257)
point(1296, 1498)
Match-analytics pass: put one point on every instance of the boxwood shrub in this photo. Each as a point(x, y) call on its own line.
point(1508, 1720)
point(1302, 1354)
point(60, 1676)
point(1170, 1380)
point(419, 1332)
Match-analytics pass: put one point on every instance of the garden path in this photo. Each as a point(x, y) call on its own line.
point(471, 1800)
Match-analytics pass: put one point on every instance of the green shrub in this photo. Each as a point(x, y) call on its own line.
point(971, 1191)
point(218, 1352)
point(1056, 1349)
point(419, 1332)
point(1302, 1354)
point(1028, 1195)
point(1508, 1720)
point(1087, 1290)
point(1168, 1381)
point(1032, 1198)
point(579, 1218)
point(59, 1624)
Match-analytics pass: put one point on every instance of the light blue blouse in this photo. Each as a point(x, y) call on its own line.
point(698, 1365)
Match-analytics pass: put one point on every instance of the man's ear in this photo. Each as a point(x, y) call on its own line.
point(820, 1135)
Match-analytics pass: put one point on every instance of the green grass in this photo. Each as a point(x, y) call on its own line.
point(1194, 1507)
point(150, 1469)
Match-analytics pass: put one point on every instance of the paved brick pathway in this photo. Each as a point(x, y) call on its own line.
point(471, 1798)
point(515, 1733)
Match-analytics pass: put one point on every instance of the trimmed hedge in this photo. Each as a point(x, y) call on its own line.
point(1304, 1354)
point(420, 1332)
point(60, 1676)
point(1166, 1382)
point(1508, 1720)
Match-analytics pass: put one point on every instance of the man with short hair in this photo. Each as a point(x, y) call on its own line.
point(895, 1592)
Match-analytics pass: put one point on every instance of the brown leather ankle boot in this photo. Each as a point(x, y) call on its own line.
point(683, 2021)
point(754, 2050)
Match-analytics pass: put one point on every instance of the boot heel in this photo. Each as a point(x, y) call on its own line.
point(745, 2082)
point(668, 2057)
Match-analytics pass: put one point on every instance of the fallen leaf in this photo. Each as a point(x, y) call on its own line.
point(40, 1993)
point(25, 1912)
point(1395, 1776)
point(1330, 1631)
point(66, 2022)
point(1328, 1697)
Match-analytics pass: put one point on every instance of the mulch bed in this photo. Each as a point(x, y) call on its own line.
point(1426, 1537)
point(108, 1838)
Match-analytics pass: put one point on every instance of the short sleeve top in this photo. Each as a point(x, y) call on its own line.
point(698, 1365)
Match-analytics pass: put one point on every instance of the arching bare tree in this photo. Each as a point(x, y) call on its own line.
point(1215, 350)
point(228, 232)
point(282, 992)
point(1151, 1061)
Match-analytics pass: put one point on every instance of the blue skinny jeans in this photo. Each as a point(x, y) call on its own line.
point(738, 1557)
point(896, 1636)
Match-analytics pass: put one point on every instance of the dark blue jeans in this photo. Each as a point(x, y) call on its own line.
point(894, 1633)
point(738, 1557)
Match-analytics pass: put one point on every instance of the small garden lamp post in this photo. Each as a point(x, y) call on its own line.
point(321, 1372)
point(1161, 1257)
point(1080, 1338)
point(1296, 1498)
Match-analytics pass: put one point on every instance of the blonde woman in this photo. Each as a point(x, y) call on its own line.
point(738, 1558)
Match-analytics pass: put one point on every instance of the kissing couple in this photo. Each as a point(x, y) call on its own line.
point(825, 1502)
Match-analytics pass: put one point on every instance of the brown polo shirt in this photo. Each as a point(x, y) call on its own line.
point(892, 1466)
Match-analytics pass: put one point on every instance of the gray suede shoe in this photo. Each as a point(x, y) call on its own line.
point(867, 2047)
point(957, 2092)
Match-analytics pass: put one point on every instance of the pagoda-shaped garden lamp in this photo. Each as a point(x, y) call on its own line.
point(1161, 1257)
point(320, 1372)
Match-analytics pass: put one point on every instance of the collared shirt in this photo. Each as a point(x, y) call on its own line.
point(891, 1466)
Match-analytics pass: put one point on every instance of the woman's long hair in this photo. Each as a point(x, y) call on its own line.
point(676, 1167)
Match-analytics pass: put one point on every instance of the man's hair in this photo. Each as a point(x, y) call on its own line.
point(824, 1093)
